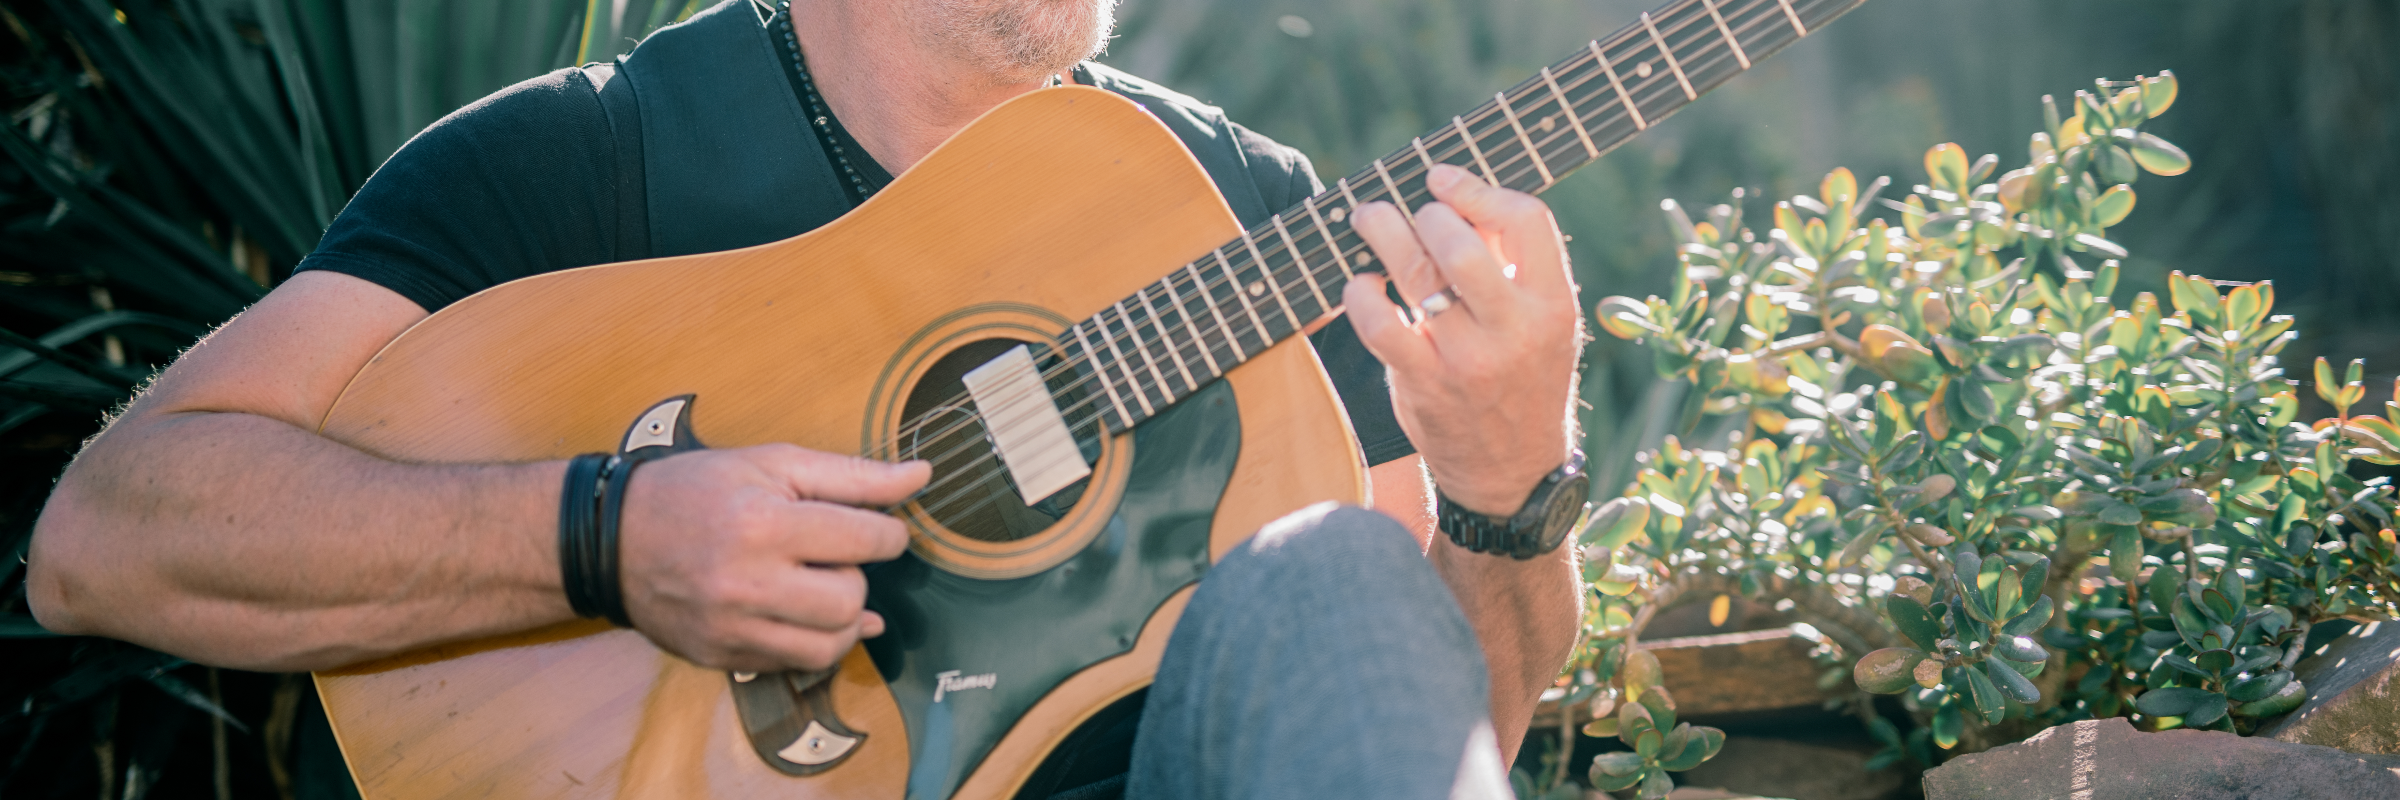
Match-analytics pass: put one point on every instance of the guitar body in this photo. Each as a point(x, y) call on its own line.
point(1047, 210)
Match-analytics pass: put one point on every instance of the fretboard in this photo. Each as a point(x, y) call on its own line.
point(1141, 355)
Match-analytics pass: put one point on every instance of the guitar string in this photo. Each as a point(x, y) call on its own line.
point(1705, 60)
point(1706, 68)
point(1451, 146)
point(1131, 335)
point(1708, 60)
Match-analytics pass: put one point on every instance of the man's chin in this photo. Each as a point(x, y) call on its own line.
point(1021, 41)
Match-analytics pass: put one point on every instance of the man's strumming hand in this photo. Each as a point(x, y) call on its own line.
point(747, 559)
point(1482, 387)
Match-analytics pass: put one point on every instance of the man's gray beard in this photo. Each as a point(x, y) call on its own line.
point(1019, 41)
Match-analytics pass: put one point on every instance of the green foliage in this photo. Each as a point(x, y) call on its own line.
point(2012, 498)
point(164, 162)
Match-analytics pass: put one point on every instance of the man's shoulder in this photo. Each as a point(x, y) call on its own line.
point(533, 106)
point(1281, 173)
point(1143, 89)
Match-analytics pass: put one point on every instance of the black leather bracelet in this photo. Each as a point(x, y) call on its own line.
point(608, 585)
point(579, 530)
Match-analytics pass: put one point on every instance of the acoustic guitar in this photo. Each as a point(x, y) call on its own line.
point(1100, 434)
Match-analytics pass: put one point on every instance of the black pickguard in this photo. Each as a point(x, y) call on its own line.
point(1030, 633)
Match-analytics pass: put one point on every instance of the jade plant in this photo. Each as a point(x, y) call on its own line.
point(1929, 428)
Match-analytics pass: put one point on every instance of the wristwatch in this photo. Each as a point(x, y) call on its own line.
point(1537, 528)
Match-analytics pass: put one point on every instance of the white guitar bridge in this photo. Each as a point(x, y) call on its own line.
point(1025, 425)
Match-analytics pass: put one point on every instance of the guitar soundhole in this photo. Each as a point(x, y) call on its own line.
point(971, 492)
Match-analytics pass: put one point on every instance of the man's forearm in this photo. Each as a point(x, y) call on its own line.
point(239, 540)
point(1524, 613)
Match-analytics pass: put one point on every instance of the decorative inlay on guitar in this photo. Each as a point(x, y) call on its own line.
point(1098, 437)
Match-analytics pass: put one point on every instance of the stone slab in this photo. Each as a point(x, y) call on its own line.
point(1728, 673)
point(2108, 760)
point(1751, 765)
point(2351, 705)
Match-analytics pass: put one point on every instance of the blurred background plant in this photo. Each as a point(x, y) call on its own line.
point(168, 160)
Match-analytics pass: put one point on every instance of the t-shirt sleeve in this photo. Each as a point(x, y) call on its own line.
point(516, 184)
point(1286, 177)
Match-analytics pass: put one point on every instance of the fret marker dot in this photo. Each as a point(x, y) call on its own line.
point(1337, 214)
point(1548, 123)
point(1257, 288)
point(1642, 69)
point(1364, 257)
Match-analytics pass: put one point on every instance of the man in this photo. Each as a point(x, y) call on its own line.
point(208, 520)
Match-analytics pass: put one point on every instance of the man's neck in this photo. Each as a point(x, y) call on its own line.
point(897, 94)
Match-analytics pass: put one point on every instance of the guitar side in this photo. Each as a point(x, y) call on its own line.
point(790, 341)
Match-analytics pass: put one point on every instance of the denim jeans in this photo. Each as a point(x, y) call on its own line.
point(1323, 658)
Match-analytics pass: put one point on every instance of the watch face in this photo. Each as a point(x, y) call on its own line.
point(1566, 503)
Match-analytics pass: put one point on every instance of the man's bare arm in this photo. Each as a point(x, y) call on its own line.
point(210, 521)
point(1524, 612)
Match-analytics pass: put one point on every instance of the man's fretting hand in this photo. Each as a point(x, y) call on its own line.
point(1481, 388)
point(747, 559)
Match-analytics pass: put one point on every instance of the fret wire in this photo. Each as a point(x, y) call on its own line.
point(1486, 166)
point(1794, 17)
point(1123, 366)
point(1141, 344)
point(1306, 274)
point(1669, 55)
point(1738, 55)
point(1344, 183)
point(1340, 259)
point(1530, 152)
point(1564, 107)
point(1394, 189)
point(1231, 340)
point(1627, 99)
point(1419, 143)
point(1189, 328)
point(1258, 326)
point(1173, 350)
point(1101, 370)
point(1266, 277)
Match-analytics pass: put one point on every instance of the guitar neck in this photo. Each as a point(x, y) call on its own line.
point(1147, 351)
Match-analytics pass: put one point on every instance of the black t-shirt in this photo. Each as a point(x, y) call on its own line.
point(526, 181)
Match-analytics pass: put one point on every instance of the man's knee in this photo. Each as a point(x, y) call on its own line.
point(1331, 555)
point(1332, 535)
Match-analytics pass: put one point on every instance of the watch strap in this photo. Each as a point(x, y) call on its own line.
point(1522, 535)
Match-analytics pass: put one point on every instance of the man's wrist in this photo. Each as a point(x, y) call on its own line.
point(1494, 493)
point(1537, 524)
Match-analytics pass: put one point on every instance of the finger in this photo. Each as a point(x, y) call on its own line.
point(1464, 260)
point(849, 480)
point(870, 624)
point(1380, 326)
point(1395, 243)
point(1528, 233)
point(818, 598)
point(824, 533)
point(766, 646)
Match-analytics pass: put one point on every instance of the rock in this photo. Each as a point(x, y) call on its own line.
point(1780, 768)
point(1704, 793)
point(1726, 674)
point(2107, 759)
point(2350, 703)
